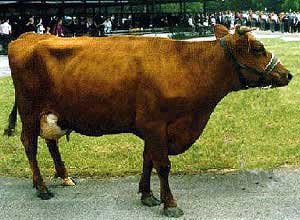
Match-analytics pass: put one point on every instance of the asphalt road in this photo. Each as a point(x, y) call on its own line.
point(243, 195)
point(4, 67)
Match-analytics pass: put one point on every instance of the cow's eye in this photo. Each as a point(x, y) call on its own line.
point(259, 48)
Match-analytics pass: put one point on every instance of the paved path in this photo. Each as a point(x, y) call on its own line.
point(243, 195)
point(4, 67)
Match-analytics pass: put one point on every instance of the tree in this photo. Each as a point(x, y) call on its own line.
point(260, 5)
point(293, 5)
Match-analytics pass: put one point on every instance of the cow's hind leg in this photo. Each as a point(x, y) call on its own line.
point(58, 163)
point(144, 187)
point(29, 139)
point(156, 142)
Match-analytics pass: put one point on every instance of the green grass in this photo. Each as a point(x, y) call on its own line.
point(253, 129)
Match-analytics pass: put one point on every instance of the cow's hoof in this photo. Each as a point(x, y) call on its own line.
point(173, 212)
point(69, 181)
point(45, 195)
point(150, 201)
point(8, 132)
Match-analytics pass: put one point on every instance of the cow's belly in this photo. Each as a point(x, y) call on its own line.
point(96, 116)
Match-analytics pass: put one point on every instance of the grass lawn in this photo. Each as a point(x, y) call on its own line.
point(253, 129)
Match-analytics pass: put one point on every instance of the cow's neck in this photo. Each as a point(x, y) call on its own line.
point(214, 79)
point(217, 74)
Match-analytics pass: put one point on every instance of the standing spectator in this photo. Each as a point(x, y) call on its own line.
point(228, 19)
point(220, 18)
point(93, 31)
point(101, 26)
point(232, 19)
point(50, 24)
point(113, 21)
point(286, 22)
point(58, 29)
point(48, 30)
point(245, 18)
point(238, 18)
point(40, 27)
point(107, 26)
point(29, 26)
point(263, 21)
point(298, 22)
point(291, 22)
point(274, 21)
point(5, 28)
point(72, 26)
point(191, 22)
point(281, 21)
point(254, 19)
point(5, 34)
point(17, 27)
point(197, 19)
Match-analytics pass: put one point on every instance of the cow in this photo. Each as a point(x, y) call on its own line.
point(161, 90)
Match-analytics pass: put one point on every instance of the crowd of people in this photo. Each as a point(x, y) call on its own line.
point(11, 28)
point(283, 22)
point(61, 25)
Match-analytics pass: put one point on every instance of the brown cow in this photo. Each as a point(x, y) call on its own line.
point(161, 90)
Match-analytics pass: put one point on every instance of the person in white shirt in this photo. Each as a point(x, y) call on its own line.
point(107, 26)
point(213, 20)
point(254, 19)
point(5, 28)
point(5, 35)
point(232, 20)
point(40, 27)
point(274, 21)
point(245, 17)
point(298, 22)
point(191, 22)
point(263, 21)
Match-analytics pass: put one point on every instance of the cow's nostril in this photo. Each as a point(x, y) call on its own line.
point(290, 76)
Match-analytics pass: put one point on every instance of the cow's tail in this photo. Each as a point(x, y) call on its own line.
point(11, 121)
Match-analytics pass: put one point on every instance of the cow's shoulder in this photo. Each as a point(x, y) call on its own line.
point(26, 42)
point(20, 51)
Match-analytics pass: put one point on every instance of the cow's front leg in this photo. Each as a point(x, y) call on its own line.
point(170, 205)
point(156, 142)
point(147, 198)
point(29, 139)
point(58, 163)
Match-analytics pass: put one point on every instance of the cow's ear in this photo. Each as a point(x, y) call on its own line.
point(220, 31)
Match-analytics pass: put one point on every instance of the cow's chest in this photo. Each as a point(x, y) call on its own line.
point(183, 132)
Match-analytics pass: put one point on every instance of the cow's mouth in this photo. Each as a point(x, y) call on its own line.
point(266, 87)
point(273, 85)
point(276, 82)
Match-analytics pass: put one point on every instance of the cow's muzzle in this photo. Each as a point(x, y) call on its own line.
point(290, 77)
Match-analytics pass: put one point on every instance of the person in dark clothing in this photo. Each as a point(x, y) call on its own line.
point(17, 27)
point(291, 22)
point(72, 27)
point(30, 27)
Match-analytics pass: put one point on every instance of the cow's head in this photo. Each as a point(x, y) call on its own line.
point(256, 67)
